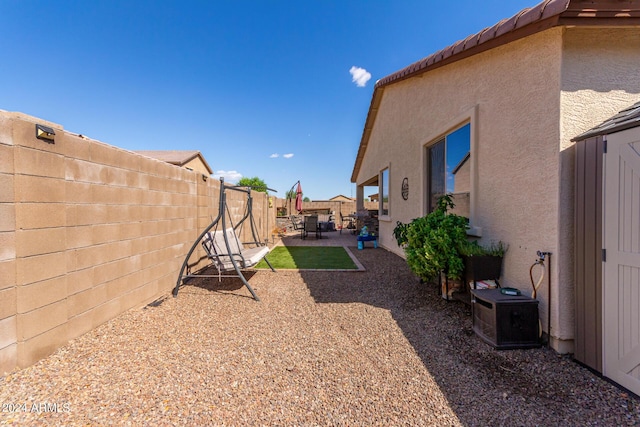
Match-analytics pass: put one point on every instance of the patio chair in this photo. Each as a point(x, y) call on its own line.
point(311, 226)
point(346, 220)
point(325, 222)
point(324, 217)
point(298, 223)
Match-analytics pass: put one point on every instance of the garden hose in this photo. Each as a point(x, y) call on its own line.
point(535, 287)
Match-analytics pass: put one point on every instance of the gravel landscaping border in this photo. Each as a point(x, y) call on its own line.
point(321, 348)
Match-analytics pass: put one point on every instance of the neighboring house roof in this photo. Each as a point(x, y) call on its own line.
point(176, 157)
point(342, 198)
point(625, 119)
point(548, 14)
point(461, 163)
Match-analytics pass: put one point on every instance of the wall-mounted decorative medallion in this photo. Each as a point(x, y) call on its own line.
point(405, 188)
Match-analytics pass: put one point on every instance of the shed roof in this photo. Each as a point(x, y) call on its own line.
point(625, 119)
point(545, 15)
point(176, 157)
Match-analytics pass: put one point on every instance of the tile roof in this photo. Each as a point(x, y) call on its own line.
point(625, 119)
point(545, 15)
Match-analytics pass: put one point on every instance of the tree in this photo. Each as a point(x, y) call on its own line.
point(292, 194)
point(255, 183)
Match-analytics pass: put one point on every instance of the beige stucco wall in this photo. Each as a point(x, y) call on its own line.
point(89, 230)
point(197, 165)
point(600, 77)
point(523, 175)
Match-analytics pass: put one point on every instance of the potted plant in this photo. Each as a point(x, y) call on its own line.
point(432, 244)
point(483, 262)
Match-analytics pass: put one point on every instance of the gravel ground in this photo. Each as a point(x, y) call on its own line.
point(322, 348)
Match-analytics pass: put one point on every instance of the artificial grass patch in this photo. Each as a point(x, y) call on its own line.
point(309, 257)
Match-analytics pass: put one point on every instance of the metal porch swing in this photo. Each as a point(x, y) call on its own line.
point(223, 247)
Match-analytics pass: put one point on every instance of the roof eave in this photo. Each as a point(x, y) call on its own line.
point(546, 15)
point(376, 99)
point(466, 53)
point(199, 155)
point(204, 162)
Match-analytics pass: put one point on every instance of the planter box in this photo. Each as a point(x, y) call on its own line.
point(449, 286)
point(482, 267)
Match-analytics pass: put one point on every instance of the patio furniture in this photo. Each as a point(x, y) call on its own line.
point(348, 219)
point(368, 238)
point(325, 222)
point(311, 226)
point(298, 223)
point(327, 226)
point(224, 248)
point(324, 217)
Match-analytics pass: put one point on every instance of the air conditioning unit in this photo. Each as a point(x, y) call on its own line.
point(505, 321)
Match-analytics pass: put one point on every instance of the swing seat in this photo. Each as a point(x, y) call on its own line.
point(216, 248)
point(223, 248)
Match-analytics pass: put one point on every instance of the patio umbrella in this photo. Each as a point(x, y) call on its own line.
point(299, 198)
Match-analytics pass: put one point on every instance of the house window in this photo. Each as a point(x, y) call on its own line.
point(449, 170)
point(384, 192)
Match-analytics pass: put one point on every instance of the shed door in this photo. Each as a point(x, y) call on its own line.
point(621, 287)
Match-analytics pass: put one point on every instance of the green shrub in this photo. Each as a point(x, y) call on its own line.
point(433, 243)
point(400, 233)
point(475, 249)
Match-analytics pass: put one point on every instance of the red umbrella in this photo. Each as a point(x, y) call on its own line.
point(299, 198)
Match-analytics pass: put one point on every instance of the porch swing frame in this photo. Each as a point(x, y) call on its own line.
point(208, 241)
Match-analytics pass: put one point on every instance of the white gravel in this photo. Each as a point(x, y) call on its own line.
point(322, 348)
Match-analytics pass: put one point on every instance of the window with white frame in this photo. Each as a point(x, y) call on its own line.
point(449, 170)
point(384, 192)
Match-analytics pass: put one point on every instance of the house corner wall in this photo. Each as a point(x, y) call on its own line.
point(599, 78)
point(532, 96)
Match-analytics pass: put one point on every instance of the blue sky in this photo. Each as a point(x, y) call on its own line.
point(262, 88)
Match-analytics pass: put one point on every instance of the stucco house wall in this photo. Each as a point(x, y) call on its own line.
point(525, 100)
point(417, 111)
point(599, 78)
point(197, 165)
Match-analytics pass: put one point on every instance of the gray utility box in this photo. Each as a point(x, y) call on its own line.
point(505, 321)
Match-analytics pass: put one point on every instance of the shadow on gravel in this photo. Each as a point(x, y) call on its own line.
point(484, 386)
point(225, 285)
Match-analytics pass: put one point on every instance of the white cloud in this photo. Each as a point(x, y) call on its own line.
point(276, 155)
point(229, 176)
point(359, 76)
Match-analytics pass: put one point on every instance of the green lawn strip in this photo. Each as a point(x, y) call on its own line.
point(308, 258)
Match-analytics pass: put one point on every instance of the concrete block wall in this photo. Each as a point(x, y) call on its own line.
point(346, 208)
point(8, 292)
point(88, 231)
